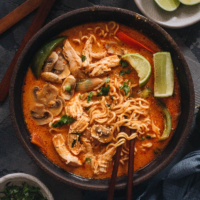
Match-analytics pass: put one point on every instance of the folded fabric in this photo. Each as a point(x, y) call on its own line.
point(181, 183)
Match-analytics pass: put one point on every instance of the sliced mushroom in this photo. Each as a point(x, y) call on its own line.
point(55, 107)
point(40, 115)
point(51, 77)
point(48, 93)
point(51, 60)
point(68, 87)
point(61, 68)
point(102, 133)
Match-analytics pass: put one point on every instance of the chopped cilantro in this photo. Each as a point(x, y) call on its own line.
point(87, 108)
point(108, 105)
point(125, 87)
point(107, 79)
point(89, 97)
point(111, 97)
point(142, 138)
point(76, 133)
point(73, 143)
point(22, 192)
point(123, 72)
point(104, 91)
point(88, 160)
point(80, 96)
point(63, 120)
point(123, 63)
point(83, 58)
point(155, 152)
point(148, 137)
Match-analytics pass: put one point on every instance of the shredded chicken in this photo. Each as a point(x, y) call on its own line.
point(87, 51)
point(80, 124)
point(100, 163)
point(74, 109)
point(75, 62)
point(61, 148)
point(102, 66)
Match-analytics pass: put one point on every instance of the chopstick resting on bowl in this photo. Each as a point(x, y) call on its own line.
point(35, 26)
point(115, 169)
point(130, 168)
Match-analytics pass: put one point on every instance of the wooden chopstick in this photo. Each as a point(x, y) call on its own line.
point(130, 169)
point(114, 172)
point(19, 13)
point(36, 24)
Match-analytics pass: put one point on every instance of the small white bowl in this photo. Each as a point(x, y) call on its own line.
point(19, 178)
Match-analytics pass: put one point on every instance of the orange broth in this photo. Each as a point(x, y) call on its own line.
point(142, 158)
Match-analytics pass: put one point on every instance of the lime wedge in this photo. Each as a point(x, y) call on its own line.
point(163, 74)
point(141, 65)
point(189, 2)
point(168, 5)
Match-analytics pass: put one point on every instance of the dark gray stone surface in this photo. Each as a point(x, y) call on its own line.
point(13, 157)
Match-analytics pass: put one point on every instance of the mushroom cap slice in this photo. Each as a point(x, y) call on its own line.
point(102, 133)
point(48, 93)
point(55, 107)
point(70, 81)
point(40, 115)
point(64, 73)
point(61, 68)
point(51, 60)
point(51, 77)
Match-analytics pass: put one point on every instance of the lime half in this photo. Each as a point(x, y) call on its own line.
point(168, 5)
point(163, 74)
point(189, 2)
point(141, 65)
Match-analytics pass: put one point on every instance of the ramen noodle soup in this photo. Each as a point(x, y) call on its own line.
point(87, 101)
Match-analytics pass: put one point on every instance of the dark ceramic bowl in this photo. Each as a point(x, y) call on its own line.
point(127, 18)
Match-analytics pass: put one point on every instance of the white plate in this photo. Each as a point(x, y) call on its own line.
point(182, 17)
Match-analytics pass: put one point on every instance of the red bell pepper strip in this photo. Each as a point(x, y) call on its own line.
point(132, 42)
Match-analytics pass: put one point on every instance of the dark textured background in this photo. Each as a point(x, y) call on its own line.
point(13, 157)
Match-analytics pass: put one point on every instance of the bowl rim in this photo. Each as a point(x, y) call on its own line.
point(22, 177)
point(83, 184)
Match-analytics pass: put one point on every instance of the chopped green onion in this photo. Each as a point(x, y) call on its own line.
point(89, 97)
point(148, 137)
point(83, 58)
point(68, 88)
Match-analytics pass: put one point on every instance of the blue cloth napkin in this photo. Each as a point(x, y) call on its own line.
point(181, 182)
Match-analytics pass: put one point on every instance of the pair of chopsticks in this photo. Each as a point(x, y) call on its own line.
point(130, 170)
point(36, 25)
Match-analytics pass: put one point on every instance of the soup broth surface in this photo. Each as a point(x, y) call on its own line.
point(147, 144)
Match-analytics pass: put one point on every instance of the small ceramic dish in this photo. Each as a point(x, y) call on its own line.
point(182, 17)
point(19, 178)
